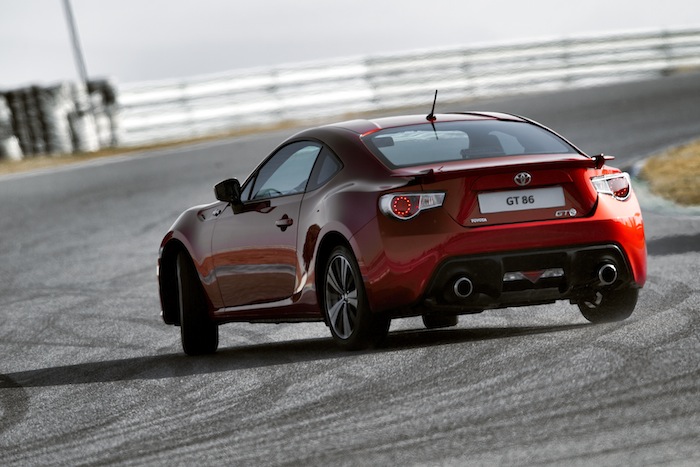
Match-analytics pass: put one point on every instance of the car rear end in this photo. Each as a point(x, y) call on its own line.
point(497, 211)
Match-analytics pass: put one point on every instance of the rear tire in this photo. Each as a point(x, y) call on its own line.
point(440, 321)
point(345, 305)
point(199, 334)
point(613, 305)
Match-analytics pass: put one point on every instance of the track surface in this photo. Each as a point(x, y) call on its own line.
point(90, 375)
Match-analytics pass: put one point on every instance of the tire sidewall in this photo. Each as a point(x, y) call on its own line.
point(361, 334)
point(198, 333)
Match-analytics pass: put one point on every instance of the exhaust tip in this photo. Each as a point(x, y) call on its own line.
point(607, 274)
point(463, 287)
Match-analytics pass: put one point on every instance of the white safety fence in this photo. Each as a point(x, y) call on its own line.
point(62, 119)
point(175, 109)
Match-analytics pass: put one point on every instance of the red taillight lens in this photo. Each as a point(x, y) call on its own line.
point(405, 206)
point(618, 185)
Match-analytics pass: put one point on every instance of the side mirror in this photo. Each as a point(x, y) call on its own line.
point(228, 191)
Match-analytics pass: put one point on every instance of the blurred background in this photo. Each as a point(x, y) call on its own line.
point(160, 70)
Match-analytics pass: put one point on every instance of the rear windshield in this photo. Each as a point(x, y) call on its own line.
point(451, 141)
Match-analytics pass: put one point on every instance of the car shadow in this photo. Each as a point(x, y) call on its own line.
point(674, 245)
point(176, 365)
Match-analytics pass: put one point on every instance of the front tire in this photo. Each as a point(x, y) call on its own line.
point(199, 334)
point(345, 305)
point(610, 306)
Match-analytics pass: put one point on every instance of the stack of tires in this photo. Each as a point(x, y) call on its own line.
point(9, 144)
point(61, 119)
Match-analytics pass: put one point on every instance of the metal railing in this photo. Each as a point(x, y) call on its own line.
point(210, 104)
point(142, 113)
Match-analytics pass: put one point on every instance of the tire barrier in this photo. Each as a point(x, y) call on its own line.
point(61, 119)
point(9, 144)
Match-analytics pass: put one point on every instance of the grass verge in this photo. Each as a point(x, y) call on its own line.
point(675, 174)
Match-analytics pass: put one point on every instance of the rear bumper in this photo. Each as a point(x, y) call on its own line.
point(526, 278)
point(406, 266)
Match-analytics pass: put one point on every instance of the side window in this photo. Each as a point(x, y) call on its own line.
point(285, 173)
point(327, 166)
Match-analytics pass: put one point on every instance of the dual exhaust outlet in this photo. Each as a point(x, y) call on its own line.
point(607, 274)
point(463, 287)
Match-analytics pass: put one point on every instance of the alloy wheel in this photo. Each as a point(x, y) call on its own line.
point(341, 297)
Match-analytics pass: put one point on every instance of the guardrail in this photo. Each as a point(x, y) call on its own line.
point(141, 113)
point(210, 104)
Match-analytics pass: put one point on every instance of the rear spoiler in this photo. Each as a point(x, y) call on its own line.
point(487, 165)
point(600, 160)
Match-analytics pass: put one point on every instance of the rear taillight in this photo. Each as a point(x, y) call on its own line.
point(406, 206)
point(616, 185)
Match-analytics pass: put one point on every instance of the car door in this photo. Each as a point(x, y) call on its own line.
point(254, 249)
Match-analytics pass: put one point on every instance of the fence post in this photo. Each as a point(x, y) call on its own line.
point(666, 52)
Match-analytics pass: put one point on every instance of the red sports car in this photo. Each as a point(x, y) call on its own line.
point(363, 221)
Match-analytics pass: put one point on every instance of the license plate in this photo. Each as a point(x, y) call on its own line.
point(521, 200)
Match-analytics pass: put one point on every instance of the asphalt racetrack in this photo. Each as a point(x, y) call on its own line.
point(89, 374)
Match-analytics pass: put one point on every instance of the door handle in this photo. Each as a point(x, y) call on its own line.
point(285, 222)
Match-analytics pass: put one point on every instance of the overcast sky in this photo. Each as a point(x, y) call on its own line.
point(137, 40)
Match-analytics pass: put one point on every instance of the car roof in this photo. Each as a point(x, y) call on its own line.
point(365, 126)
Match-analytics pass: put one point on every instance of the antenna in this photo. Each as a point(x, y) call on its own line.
point(431, 116)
